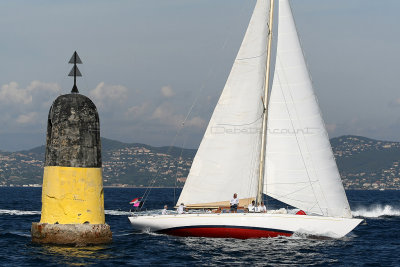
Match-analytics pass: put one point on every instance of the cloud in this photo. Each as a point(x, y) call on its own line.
point(139, 110)
point(26, 106)
point(25, 109)
point(11, 93)
point(162, 112)
point(167, 91)
point(107, 96)
point(27, 118)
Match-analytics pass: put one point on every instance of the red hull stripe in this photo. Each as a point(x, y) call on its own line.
point(225, 231)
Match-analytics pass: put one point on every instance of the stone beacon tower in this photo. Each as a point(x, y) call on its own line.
point(72, 192)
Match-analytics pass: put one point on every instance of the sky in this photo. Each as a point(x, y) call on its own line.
point(146, 64)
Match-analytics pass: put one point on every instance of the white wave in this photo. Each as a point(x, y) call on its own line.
point(117, 212)
point(32, 212)
point(19, 212)
point(376, 211)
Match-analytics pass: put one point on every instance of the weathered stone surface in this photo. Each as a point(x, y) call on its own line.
point(72, 192)
point(73, 133)
point(71, 234)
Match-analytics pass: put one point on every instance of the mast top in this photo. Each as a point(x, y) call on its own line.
point(75, 59)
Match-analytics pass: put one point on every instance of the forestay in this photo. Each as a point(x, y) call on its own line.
point(300, 167)
point(228, 156)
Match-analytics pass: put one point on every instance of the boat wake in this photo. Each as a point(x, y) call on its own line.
point(19, 212)
point(376, 211)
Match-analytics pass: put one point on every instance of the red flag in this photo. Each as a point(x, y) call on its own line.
point(135, 201)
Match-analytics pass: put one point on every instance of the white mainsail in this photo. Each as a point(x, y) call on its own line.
point(228, 156)
point(300, 167)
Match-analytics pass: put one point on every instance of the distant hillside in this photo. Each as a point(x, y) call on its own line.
point(123, 164)
point(363, 164)
point(111, 145)
point(367, 163)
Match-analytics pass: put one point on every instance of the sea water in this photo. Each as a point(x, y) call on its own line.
point(373, 243)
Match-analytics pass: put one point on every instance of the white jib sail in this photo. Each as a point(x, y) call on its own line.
point(228, 157)
point(300, 167)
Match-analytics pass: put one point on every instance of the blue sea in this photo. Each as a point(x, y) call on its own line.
point(373, 243)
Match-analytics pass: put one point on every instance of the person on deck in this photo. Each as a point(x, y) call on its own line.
point(181, 208)
point(234, 203)
point(164, 211)
point(252, 207)
point(262, 208)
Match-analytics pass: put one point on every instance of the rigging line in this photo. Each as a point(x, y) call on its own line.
point(298, 190)
point(319, 110)
point(245, 124)
point(254, 162)
point(156, 175)
point(277, 196)
point(254, 57)
point(148, 190)
point(347, 207)
point(177, 165)
point(181, 126)
point(291, 122)
point(152, 182)
point(313, 207)
point(290, 183)
point(210, 72)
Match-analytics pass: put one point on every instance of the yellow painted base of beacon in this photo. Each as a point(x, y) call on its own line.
point(72, 195)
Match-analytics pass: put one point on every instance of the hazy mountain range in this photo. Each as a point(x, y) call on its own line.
point(363, 164)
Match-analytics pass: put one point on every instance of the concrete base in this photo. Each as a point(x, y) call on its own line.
point(71, 234)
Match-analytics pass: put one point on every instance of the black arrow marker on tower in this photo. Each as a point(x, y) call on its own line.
point(75, 71)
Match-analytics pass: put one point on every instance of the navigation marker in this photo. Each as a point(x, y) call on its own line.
point(75, 59)
point(72, 191)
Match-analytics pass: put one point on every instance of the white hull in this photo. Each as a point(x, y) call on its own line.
point(244, 225)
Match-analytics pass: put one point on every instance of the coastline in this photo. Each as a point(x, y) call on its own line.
point(172, 187)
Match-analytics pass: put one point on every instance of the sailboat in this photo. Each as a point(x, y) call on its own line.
point(266, 136)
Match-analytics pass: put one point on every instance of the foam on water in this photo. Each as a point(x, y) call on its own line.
point(117, 212)
point(34, 212)
point(129, 213)
point(376, 211)
point(19, 212)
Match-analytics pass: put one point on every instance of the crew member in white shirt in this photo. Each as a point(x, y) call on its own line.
point(252, 207)
point(181, 208)
point(262, 208)
point(234, 203)
point(164, 211)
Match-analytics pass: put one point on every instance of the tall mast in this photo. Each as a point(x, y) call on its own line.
point(265, 104)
